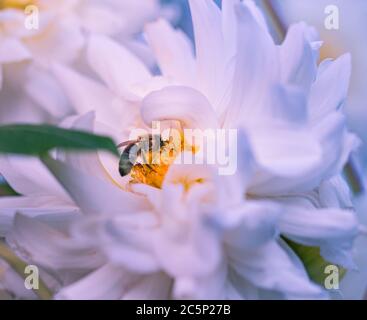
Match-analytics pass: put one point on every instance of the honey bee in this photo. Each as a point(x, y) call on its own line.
point(144, 146)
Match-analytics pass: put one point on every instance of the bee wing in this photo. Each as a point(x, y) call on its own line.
point(126, 143)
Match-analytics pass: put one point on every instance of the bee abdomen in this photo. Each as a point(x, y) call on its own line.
point(125, 164)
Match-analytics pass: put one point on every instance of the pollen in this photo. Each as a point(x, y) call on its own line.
point(187, 183)
point(153, 170)
point(152, 175)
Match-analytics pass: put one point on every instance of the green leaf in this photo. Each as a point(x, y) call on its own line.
point(314, 263)
point(19, 266)
point(6, 190)
point(38, 140)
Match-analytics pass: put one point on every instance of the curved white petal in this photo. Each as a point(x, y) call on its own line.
point(12, 50)
point(229, 27)
point(239, 170)
point(287, 152)
point(188, 234)
point(86, 95)
point(60, 42)
point(173, 51)
point(92, 194)
point(250, 225)
point(97, 18)
point(270, 267)
point(17, 107)
point(127, 239)
point(298, 66)
point(106, 283)
point(45, 91)
point(336, 146)
point(90, 161)
point(49, 209)
point(28, 176)
point(319, 224)
point(337, 143)
point(206, 18)
point(329, 92)
point(335, 193)
point(208, 287)
point(51, 248)
point(333, 230)
point(156, 286)
point(118, 67)
point(284, 104)
point(179, 103)
point(254, 69)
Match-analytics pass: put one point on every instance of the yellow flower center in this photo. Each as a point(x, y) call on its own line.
point(153, 170)
point(15, 4)
point(188, 183)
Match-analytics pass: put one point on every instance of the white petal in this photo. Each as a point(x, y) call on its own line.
point(29, 176)
point(179, 103)
point(49, 209)
point(254, 70)
point(238, 288)
point(106, 283)
point(298, 65)
point(45, 91)
point(319, 224)
point(141, 49)
point(173, 51)
point(16, 107)
point(330, 89)
point(330, 133)
point(90, 161)
point(333, 230)
point(235, 184)
point(51, 248)
point(208, 287)
point(60, 42)
point(256, 13)
point(284, 104)
point(92, 194)
point(115, 65)
point(156, 286)
point(229, 27)
point(12, 50)
point(100, 19)
point(337, 144)
point(279, 151)
point(250, 225)
point(86, 94)
point(229, 23)
point(126, 239)
point(270, 267)
point(340, 254)
point(206, 18)
point(187, 233)
point(335, 193)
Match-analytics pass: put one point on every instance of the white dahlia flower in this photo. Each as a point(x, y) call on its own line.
point(36, 33)
point(185, 231)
